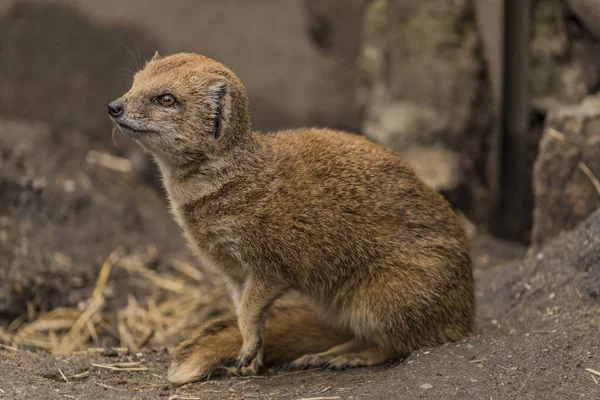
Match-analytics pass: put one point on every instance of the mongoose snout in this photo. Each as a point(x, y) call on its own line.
point(379, 258)
point(115, 109)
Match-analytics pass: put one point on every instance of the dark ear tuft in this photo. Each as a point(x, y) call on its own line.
point(219, 93)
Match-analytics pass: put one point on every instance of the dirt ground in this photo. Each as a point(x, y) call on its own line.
point(530, 346)
point(489, 366)
point(62, 214)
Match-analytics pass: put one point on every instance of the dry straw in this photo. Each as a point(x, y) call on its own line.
point(176, 304)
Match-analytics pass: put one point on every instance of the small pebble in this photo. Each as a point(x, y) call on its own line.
point(426, 386)
point(39, 183)
point(69, 186)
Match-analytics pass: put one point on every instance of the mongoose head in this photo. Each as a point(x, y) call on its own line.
point(184, 108)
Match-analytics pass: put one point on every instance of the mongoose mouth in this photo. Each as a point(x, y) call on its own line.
point(125, 127)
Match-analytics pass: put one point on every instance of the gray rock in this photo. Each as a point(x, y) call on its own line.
point(423, 87)
point(438, 167)
point(565, 59)
point(334, 28)
point(588, 11)
point(566, 172)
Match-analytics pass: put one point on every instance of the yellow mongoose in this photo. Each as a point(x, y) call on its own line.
point(379, 256)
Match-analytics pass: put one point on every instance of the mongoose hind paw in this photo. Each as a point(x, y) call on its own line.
point(365, 358)
point(308, 361)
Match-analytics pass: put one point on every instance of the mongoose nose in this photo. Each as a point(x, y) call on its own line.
point(115, 109)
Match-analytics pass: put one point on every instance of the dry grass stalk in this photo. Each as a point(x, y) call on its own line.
point(588, 172)
point(188, 270)
point(555, 134)
point(81, 375)
point(320, 398)
point(137, 265)
point(108, 161)
point(5, 337)
point(99, 350)
point(76, 336)
point(7, 347)
point(593, 371)
point(131, 367)
point(174, 306)
point(63, 375)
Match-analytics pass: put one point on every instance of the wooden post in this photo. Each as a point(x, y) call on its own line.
point(515, 202)
point(490, 23)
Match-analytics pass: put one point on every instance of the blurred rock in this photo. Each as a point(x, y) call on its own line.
point(335, 29)
point(565, 58)
point(566, 171)
point(438, 167)
point(424, 86)
point(588, 11)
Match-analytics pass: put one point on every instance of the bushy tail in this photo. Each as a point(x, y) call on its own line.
point(291, 331)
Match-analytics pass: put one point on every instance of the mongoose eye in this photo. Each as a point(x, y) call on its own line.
point(166, 100)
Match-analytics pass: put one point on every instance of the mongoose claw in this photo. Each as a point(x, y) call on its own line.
point(248, 357)
point(249, 366)
point(242, 363)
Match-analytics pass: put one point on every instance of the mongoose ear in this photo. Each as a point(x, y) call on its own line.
point(220, 99)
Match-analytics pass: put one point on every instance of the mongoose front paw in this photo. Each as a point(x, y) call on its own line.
point(254, 368)
point(248, 356)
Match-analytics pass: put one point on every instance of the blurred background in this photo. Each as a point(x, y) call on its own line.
point(494, 102)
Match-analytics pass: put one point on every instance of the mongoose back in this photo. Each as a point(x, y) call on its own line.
point(345, 223)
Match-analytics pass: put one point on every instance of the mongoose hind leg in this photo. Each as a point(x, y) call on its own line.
point(322, 358)
point(292, 330)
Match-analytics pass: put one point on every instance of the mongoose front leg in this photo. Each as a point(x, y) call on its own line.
point(257, 296)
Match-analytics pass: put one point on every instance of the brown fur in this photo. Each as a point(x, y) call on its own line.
point(330, 215)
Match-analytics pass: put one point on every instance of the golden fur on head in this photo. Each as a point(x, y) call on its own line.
point(330, 215)
point(201, 117)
